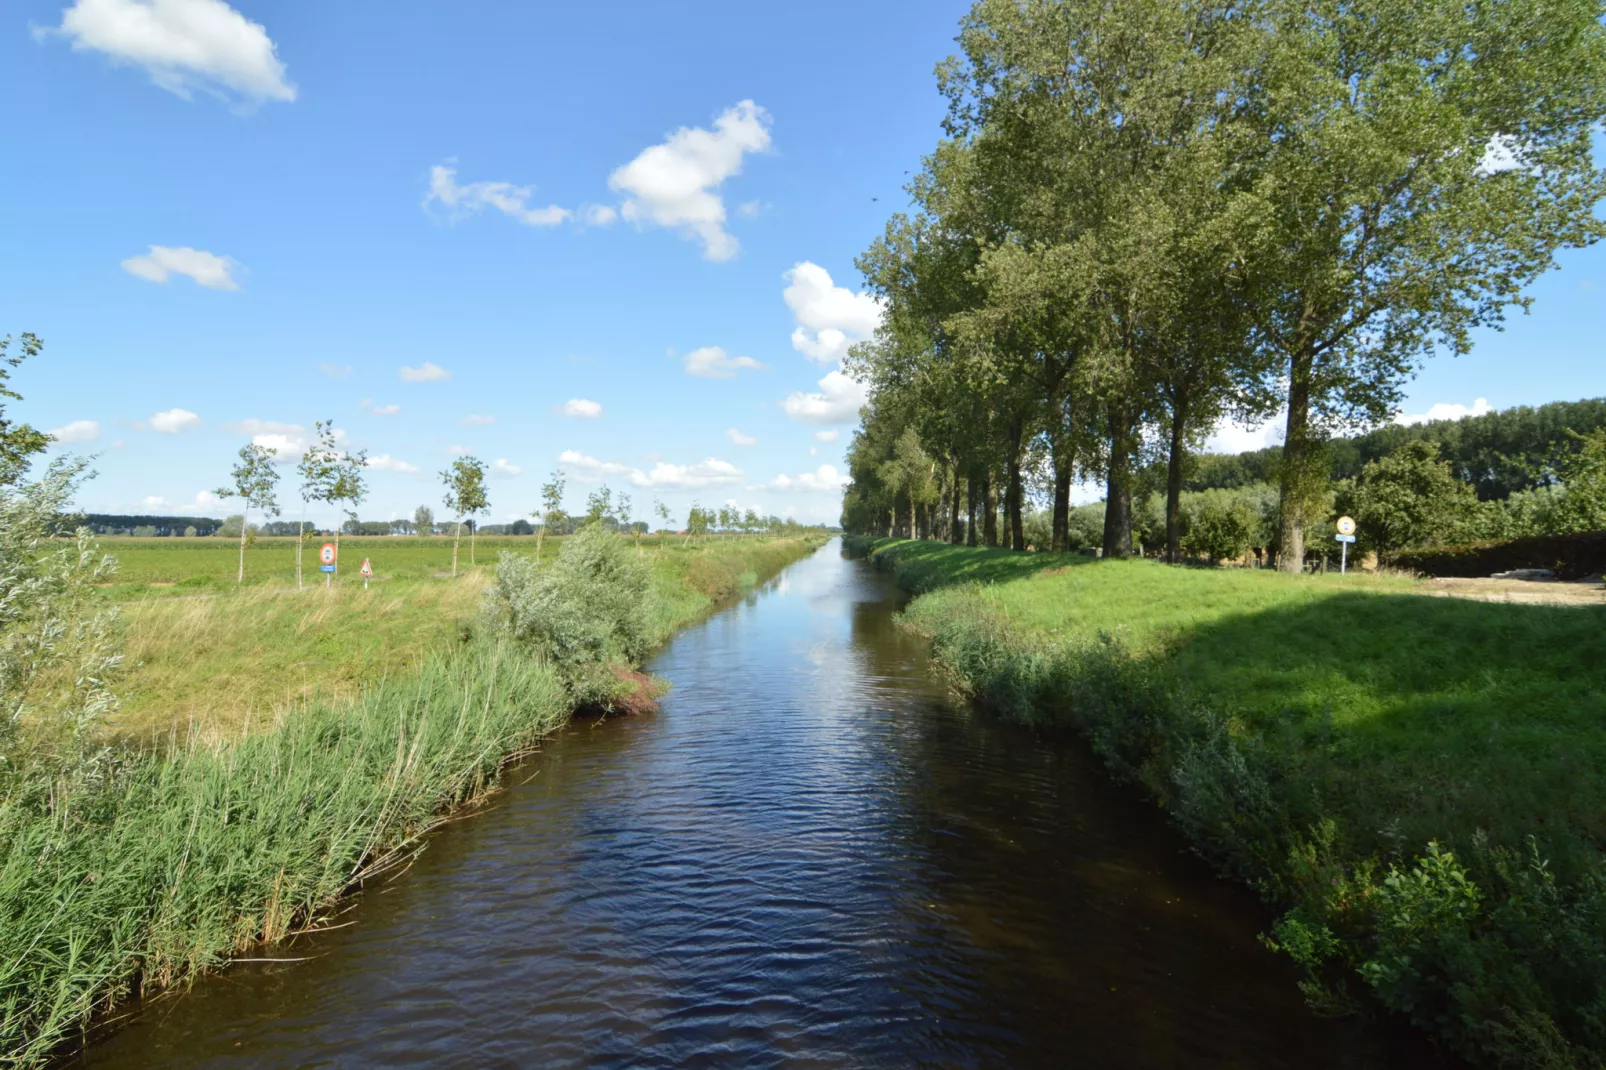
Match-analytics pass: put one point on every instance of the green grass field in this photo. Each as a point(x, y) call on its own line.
point(1315, 735)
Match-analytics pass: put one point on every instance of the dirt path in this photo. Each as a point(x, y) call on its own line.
point(1536, 592)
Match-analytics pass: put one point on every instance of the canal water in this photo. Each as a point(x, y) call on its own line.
point(810, 857)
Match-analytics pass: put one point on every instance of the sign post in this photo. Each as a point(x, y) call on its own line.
point(1345, 536)
point(326, 561)
point(366, 572)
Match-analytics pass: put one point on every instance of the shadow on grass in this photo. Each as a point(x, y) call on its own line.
point(1423, 717)
point(922, 565)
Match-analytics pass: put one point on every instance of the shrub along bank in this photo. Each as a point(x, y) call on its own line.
point(123, 871)
point(1419, 783)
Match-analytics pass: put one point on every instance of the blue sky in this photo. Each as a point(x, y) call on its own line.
point(227, 222)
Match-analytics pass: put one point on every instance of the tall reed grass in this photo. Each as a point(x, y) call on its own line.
point(173, 863)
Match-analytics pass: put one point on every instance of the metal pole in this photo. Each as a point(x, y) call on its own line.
point(1343, 557)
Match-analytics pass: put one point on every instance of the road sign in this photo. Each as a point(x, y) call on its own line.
point(326, 554)
point(1346, 525)
point(326, 568)
point(366, 570)
point(1344, 538)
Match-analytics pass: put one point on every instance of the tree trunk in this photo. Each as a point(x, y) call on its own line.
point(457, 540)
point(301, 540)
point(1297, 457)
point(1062, 504)
point(245, 516)
point(1013, 491)
point(473, 528)
point(539, 536)
point(1173, 485)
point(990, 502)
point(953, 505)
point(1118, 488)
point(970, 505)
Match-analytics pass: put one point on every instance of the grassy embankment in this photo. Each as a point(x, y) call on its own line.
point(1419, 782)
point(284, 779)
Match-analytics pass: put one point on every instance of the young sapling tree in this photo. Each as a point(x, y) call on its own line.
point(465, 496)
point(255, 480)
point(552, 514)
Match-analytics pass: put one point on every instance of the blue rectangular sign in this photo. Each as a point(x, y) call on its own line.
point(326, 568)
point(1340, 538)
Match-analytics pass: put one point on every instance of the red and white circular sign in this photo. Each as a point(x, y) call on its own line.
point(327, 553)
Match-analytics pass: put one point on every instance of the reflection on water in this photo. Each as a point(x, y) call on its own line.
point(809, 857)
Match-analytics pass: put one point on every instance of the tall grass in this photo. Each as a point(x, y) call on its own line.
point(1419, 782)
point(176, 862)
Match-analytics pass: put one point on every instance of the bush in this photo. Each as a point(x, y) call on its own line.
point(584, 613)
point(1568, 556)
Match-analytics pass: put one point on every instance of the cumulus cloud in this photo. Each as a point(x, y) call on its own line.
point(830, 318)
point(582, 409)
point(505, 468)
point(183, 45)
point(711, 472)
point(675, 184)
point(172, 421)
point(427, 372)
point(288, 441)
point(475, 419)
point(823, 480)
point(739, 439)
point(712, 362)
point(154, 501)
point(598, 215)
point(1446, 411)
point(838, 401)
point(336, 371)
point(77, 431)
point(466, 200)
point(385, 410)
point(826, 436)
point(204, 499)
point(458, 451)
point(164, 261)
point(384, 462)
point(1230, 436)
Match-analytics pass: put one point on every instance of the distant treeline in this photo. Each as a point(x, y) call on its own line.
point(117, 524)
point(1500, 453)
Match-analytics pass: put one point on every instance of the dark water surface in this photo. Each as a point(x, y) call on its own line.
point(810, 857)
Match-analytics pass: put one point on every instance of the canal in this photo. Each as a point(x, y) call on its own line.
point(811, 856)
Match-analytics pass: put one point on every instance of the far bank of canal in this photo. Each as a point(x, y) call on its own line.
point(810, 856)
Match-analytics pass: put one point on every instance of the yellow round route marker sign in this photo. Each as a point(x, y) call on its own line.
point(1346, 525)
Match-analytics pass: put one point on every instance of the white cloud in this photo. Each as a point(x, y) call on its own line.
point(826, 436)
point(1503, 153)
point(505, 197)
point(838, 402)
point(711, 472)
point(1446, 411)
point(739, 439)
point(830, 318)
point(77, 431)
point(385, 410)
point(164, 261)
point(478, 420)
point(712, 362)
point(823, 480)
point(384, 462)
point(582, 408)
point(502, 467)
point(1230, 436)
point(814, 451)
point(336, 371)
point(427, 372)
point(288, 441)
point(183, 45)
point(599, 215)
point(675, 184)
point(155, 501)
point(173, 421)
point(458, 451)
point(204, 499)
point(750, 209)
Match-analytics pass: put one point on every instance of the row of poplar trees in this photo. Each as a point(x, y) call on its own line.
point(1147, 216)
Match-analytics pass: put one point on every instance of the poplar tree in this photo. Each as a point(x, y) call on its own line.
point(255, 479)
point(319, 470)
point(552, 513)
point(1417, 164)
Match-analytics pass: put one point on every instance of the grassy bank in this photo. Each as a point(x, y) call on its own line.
point(1420, 783)
point(130, 866)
